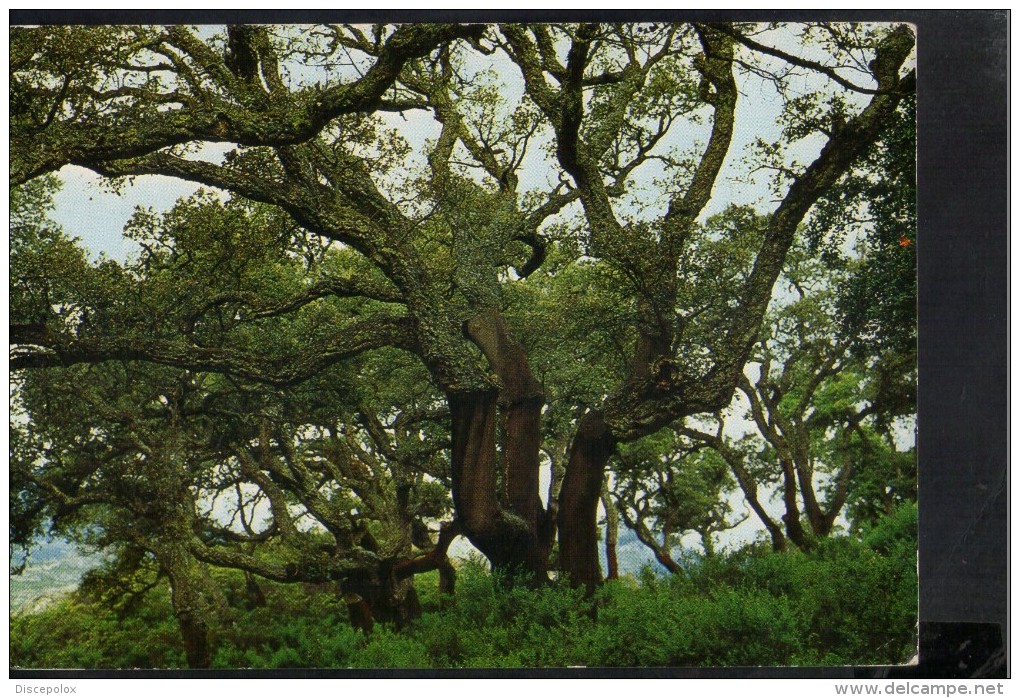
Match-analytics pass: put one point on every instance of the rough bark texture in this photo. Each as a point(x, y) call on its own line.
point(612, 533)
point(250, 118)
point(187, 585)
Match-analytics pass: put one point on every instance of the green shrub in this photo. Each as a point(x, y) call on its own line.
point(69, 634)
point(386, 649)
point(848, 601)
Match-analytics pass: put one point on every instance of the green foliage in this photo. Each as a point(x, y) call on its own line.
point(72, 634)
point(841, 604)
point(49, 273)
point(671, 487)
point(491, 623)
point(878, 304)
point(574, 318)
point(662, 624)
point(298, 627)
point(846, 602)
point(895, 535)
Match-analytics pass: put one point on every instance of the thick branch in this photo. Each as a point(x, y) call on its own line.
point(660, 551)
point(842, 149)
point(793, 60)
point(312, 570)
point(351, 287)
point(642, 414)
point(433, 559)
point(356, 338)
point(282, 121)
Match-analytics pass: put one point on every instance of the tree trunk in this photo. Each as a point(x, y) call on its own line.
point(708, 544)
point(579, 499)
point(794, 528)
point(195, 632)
point(661, 551)
point(254, 597)
point(505, 538)
point(521, 399)
point(550, 517)
point(473, 466)
point(778, 539)
point(186, 595)
point(381, 595)
point(508, 537)
point(360, 613)
point(802, 462)
point(612, 533)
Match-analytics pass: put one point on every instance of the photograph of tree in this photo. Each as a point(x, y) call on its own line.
point(463, 345)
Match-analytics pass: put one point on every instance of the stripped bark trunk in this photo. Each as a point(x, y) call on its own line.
point(380, 595)
point(506, 532)
point(578, 512)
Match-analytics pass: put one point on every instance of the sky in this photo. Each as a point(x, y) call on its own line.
point(90, 210)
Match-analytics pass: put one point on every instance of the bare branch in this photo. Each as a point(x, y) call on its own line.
point(797, 60)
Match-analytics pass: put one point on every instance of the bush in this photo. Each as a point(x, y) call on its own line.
point(846, 602)
point(70, 634)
